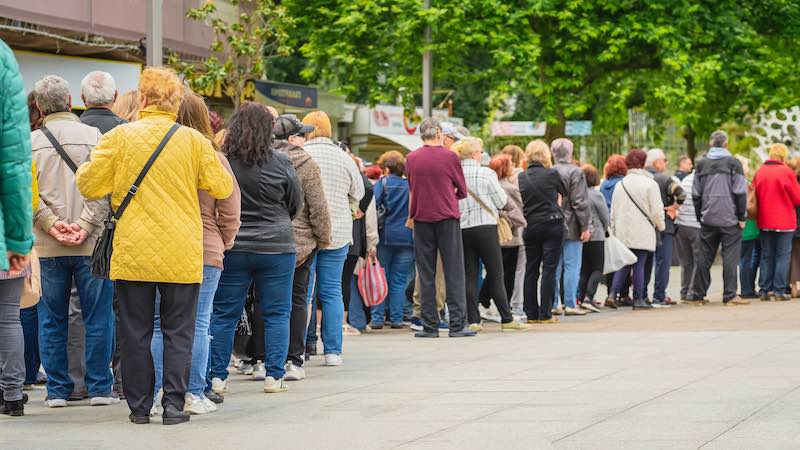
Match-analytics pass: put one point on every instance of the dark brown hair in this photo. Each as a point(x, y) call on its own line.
point(249, 136)
point(590, 172)
point(33, 113)
point(636, 159)
point(394, 162)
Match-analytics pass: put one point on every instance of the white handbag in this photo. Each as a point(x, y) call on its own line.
point(617, 255)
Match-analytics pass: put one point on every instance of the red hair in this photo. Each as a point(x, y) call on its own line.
point(636, 159)
point(373, 172)
point(615, 166)
point(502, 165)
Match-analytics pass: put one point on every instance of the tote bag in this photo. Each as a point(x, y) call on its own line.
point(372, 282)
point(617, 255)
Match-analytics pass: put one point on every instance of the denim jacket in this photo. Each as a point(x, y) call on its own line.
point(391, 192)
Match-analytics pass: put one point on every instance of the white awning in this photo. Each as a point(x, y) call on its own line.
point(409, 142)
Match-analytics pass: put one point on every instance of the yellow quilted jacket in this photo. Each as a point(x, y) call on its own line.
point(160, 235)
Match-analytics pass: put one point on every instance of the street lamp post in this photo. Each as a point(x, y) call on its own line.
point(427, 71)
point(155, 52)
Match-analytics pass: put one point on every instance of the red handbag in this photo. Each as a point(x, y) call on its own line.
point(372, 283)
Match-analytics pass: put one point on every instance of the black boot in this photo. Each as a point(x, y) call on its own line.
point(139, 420)
point(642, 304)
point(172, 416)
point(13, 408)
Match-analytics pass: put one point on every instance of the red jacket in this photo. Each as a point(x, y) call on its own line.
point(778, 195)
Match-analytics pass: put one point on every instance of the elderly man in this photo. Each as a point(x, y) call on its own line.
point(98, 92)
point(578, 218)
point(672, 195)
point(66, 227)
point(437, 182)
point(719, 194)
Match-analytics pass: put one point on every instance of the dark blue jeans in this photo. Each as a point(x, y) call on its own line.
point(621, 276)
point(749, 261)
point(273, 275)
point(398, 263)
point(29, 317)
point(776, 250)
point(98, 316)
point(663, 260)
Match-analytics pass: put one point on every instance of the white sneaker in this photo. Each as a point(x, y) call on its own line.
point(587, 305)
point(55, 403)
point(218, 385)
point(157, 409)
point(194, 405)
point(211, 406)
point(294, 373)
point(489, 314)
point(103, 401)
point(244, 368)
point(347, 330)
point(333, 360)
point(259, 371)
point(273, 386)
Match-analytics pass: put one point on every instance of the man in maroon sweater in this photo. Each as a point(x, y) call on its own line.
point(437, 183)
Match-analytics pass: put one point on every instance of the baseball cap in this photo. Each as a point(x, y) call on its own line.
point(289, 125)
point(449, 129)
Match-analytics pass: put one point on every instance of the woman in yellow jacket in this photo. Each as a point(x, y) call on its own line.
point(158, 242)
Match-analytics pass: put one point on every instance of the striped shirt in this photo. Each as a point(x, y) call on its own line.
point(342, 184)
point(483, 183)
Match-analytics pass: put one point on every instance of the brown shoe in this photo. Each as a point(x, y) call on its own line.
point(610, 303)
point(737, 301)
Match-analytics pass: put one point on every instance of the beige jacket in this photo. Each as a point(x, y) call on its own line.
point(628, 223)
point(58, 193)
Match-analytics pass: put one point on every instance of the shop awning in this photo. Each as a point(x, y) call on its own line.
point(408, 142)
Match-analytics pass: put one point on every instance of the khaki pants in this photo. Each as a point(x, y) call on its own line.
point(440, 289)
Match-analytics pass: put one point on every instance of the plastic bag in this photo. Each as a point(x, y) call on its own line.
point(372, 283)
point(617, 255)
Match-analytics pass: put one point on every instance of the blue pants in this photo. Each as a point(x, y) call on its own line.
point(750, 259)
point(201, 343)
point(570, 266)
point(659, 262)
point(327, 286)
point(273, 275)
point(776, 251)
point(397, 262)
point(356, 316)
point(621, 276)
point(98, 316)
point(29, 317)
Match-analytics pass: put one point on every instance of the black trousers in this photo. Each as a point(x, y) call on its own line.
point(116, 366)
point(710, 239)
point(347, 278)
point(542, 248)
point(299, 316)
point(137, 311)
point(445, 237)
point(591, 269)
point(509, 255)
point(482, 243)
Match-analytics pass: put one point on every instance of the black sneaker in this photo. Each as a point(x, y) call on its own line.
point(214, 397)
point(426, 334)
point(397, 326)
point(641, 304)
point(376, 326)
point(311, 349)
point(13, 408)
point(464, 332)
point(139, 420)
point(172, 416)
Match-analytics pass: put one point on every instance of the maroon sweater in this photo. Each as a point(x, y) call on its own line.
point(436, 182)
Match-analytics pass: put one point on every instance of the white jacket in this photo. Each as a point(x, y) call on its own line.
point(628, 223)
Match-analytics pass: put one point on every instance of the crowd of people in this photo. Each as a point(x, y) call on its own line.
point(261, 229)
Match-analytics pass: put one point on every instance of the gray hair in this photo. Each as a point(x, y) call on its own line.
point(562, 149)
point(98, 88)
point(52, 94)
point(429, 128)
point(463, 130)
point(719, 138)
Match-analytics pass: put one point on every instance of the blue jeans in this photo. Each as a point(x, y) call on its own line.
point(98, 316)
point(355, 316)
point(570, 265)
point(776, 251)
point(621, 276)
point(750, 259)
point(397, 262)
point(328, 286)
point(29, 317)
point(659, 262)
point(201, 344)
point(273, 275)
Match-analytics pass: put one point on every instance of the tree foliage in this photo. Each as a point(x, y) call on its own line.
point(244, 42)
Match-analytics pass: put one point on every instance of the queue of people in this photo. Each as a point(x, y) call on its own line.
point(265, 226)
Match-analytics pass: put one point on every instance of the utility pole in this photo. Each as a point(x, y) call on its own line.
point(427, 72)
point(155, 51)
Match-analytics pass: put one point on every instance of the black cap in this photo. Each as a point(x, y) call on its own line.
point(289, 125)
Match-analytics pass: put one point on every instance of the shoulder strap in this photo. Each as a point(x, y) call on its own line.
point(636, 204)
point(59, 149)
point(135, 186)
point(482, 205)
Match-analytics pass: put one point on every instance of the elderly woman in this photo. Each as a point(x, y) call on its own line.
point(158, 242)
point(594, 249)
point(778, 194)
point(637, 214)
point(541, 190)
point(479, 213)
point(614, 170)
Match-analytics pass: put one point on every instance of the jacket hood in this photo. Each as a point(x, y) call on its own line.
point(718, 153)
point(296, 154)
point(609, 184)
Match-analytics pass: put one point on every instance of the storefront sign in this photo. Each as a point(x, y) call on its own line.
point(578, 128)
point(388, 119)
point(288, 94)
point(518, 128)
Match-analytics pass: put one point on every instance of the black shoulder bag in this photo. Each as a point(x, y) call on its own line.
point(381, 210)
point(59, 149)
point(101, 256)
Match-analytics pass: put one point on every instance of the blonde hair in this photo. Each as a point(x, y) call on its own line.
point(127, 106)
point(162, 88)
point(321, 123)
point(193, 113)
point(516, 153)
point(745, 165)
point(538, 151)
point(467, 146)
point(219, 138)
point(778, 151)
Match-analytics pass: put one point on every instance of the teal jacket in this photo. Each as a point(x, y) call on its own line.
point(16, 216)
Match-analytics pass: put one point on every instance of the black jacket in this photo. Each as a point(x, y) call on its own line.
point(359, 247)
point(671, 193)
point(271, 198)
point(102, 119)
point(540, 188)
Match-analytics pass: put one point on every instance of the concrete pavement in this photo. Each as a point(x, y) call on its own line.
point(709, 377)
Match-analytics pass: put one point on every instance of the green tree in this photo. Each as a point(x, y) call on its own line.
point(246, 38)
